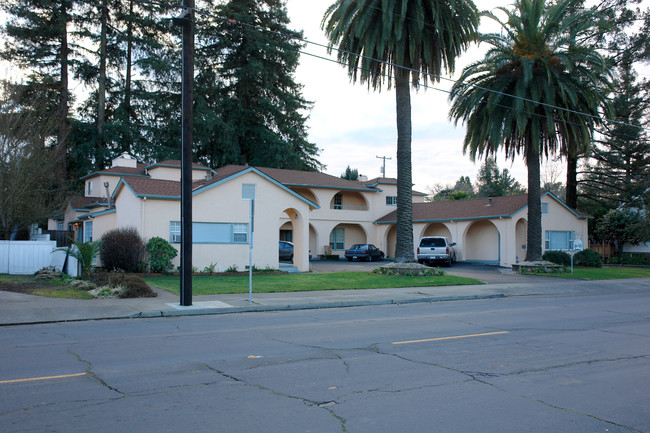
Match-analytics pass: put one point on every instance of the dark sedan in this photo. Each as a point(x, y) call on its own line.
point(285, 251)
point(367, 252)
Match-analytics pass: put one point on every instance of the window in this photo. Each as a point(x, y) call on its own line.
point(391, 201)
point(89, 232)
point(211, 233)
point(338, 201)
point(240, 233)
point(544, 208)
point(174, 232)
point(90, 187)
point(558, 240)
point(59, 226)
point(337, 239)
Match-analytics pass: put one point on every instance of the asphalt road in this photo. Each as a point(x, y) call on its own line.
point(521, 364)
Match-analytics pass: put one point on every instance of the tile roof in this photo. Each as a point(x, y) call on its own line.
point(79, 202)
point(176, 163)
point(463, 209)
point(297, 178)
point(147, 187)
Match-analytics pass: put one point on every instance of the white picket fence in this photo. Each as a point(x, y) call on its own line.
point(27, 257)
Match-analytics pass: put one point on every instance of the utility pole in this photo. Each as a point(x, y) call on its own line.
point(383, 167)
point(186, 21)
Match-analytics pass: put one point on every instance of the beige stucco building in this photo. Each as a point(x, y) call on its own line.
point(319, 213)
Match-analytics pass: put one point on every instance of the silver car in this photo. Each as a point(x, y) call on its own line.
point(436, 249)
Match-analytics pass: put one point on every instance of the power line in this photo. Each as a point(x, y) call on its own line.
point(434, 76)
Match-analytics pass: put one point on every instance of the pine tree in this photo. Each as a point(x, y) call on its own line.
point(258, 114)
point(38, 39)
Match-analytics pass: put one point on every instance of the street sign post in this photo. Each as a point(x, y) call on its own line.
point(578, 246)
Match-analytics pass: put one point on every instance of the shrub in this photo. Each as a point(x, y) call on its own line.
point(559, 257)
point(589, 258)
point(122, 248)
point(136, 287)
point(130, 286)
point(113, 278)
point(628, 259)
point(162, 253)
point(85, 253)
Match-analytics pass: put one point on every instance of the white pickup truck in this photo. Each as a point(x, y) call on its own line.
point(436, 249)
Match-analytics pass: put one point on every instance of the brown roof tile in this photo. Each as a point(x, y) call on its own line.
point(81, 202)
point(176, 163)
point(297, 178)
point(463, 209)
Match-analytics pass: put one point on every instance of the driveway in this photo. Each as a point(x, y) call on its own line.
point(489, 274)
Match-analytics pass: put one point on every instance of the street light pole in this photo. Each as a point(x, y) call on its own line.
point(186, 21)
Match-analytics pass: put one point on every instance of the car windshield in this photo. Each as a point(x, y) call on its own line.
point(357, 247)
point(432, 242)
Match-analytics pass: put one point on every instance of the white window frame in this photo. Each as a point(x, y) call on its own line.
point(337, 239)
point(337, 202)
point(88, 231)
point(548, 236)
point(226, 233)
point(391, 200)
point(240, 233)
point(174, 232)
point(90, 187)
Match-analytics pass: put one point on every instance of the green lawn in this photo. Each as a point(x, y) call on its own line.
point(602, 273)
point(268, 283)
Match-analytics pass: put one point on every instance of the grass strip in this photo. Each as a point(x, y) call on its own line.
point(600, 273)
point(272, 283)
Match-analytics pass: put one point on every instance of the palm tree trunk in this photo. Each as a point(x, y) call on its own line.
point(534, 236)
point(404, 248)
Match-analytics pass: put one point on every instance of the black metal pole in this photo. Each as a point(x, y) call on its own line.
point(186, 154)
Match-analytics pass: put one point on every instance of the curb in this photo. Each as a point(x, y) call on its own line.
point(321, 306)
point(266, 308)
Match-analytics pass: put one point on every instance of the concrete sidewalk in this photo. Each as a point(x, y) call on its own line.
point(17, 308)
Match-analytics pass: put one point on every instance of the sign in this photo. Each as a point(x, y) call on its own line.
point(578, 245)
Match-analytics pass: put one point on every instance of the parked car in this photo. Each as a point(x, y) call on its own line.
point(286, 250)
point(436, 249)
point(364, 252)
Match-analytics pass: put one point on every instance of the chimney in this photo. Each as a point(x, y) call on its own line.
point(108, 196)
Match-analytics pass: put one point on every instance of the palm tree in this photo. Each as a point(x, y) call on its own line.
point(510, 98)
point(389, 42)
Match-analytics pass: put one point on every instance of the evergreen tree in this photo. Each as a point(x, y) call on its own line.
point(257, 114)
point(38, 40)
point(619, 170)
point(350, 174)
point(492, 182)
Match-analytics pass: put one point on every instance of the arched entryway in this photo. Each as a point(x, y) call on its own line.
point(345, 235)
point(482, 243)
point(391, 241)
point(436, 229)
point(296, 231)
point(521, 236)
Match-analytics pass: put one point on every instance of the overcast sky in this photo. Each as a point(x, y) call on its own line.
point(353, 125)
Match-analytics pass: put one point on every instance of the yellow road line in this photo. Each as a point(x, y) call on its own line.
point(29, 379)
point(450, 338)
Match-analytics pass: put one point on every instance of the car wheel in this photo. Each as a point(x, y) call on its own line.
point(449, 262)
point(349, 259)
